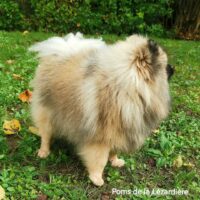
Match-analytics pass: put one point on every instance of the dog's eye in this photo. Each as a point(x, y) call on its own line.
point(170, 71)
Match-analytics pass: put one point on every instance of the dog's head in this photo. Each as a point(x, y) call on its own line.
point(150, 59)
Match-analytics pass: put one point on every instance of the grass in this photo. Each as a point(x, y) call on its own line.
point(61, 175)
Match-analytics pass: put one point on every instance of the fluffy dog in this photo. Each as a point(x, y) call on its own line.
point(102, 98)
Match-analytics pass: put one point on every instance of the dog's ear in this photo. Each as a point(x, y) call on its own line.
point(145, 60)
point(153, 47)
point(142, 61)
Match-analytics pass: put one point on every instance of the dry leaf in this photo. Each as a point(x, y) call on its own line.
point(2, 193)
point(25, 32)
point(151, 162)
point(17, 76)
point(188, 165)
point(105, 196)
point(33, 130)
point(42, 197)
point(25, 96)
point(10, 62)
point(178, 162)
point(11, 127)
point(156, 131)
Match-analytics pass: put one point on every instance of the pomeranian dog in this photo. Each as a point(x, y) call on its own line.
point(102, 98)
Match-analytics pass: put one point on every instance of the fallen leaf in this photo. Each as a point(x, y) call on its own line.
point(178, 162)
point(17, 76)
point(11, 127)
point(10, 61)
point(42, 197)
point(25, 96)
point(156, 131)
point(25, 32)
point(151, 162)
point(188, 165)
point(105, 196)
point(33, 130)
point(2, 193)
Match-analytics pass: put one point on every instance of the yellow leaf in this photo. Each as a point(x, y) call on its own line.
point(25, 96)
point(33, 130)
point(188, 165)
point(10, 61)
point(178, 162)
point(11, 127)
point(156, 131)
point(2, 193)
point(25, 32)
point(17, 76)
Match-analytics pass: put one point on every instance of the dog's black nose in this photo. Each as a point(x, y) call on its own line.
point(170, 71)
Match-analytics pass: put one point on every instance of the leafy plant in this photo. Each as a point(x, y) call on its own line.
point(61, 175)
point(89, 16)
point(10, 15)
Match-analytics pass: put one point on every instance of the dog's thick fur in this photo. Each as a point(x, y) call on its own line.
point(102, 98)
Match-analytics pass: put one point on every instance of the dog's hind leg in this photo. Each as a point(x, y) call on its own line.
point(45, 131)
point(115, 161)
point(44, 150)
point(95, 157)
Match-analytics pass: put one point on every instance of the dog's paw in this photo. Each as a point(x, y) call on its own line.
point(117, 162)
point(96, 179)
point(43, 153)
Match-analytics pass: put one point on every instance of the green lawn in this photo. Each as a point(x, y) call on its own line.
point(61, 175)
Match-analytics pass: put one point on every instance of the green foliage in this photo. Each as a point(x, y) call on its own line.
point(156, 29)
point(10, 15)
point(61, 175)
point(87, 16)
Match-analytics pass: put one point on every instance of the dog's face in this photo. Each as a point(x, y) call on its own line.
point(170, 71)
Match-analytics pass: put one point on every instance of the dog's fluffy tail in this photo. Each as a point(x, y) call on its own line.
point(66, 46)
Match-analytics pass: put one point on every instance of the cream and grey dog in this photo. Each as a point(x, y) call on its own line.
point(102, 98)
